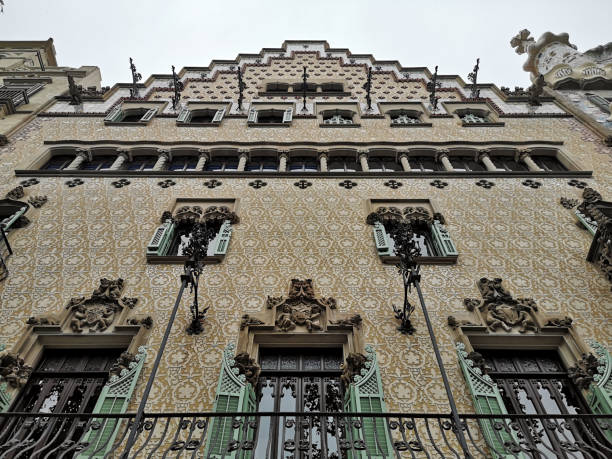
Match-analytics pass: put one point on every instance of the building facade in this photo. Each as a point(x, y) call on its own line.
point(283, 190)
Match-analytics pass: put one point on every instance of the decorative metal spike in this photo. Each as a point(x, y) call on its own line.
point(432, 85)
point(368, 87)
point(136, 77)
point(304, 83)
point(241, 87)
point(178, 87)
point(473, 77)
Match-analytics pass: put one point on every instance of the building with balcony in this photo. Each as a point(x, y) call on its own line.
point(210, 267)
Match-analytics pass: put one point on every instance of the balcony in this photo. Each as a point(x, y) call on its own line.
point(304, 435)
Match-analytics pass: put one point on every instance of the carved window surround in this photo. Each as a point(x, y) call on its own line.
point(190, 210)
point(423, 212)
point(147, 109)
point(481, 109)
point(105, 319)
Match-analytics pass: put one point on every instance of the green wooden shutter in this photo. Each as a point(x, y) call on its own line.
point(381, 239)
point(113, 399)
point(252, 116)
point(148, 115)
point(5, 400)
point(219, 115)
point(184, 116)
point(600, 392)
point(288, 115)
point(588, 223)
point(365, 395)
point(114, 115)
point(221, 242)
point(443, 240)
point(8, 221)
point(161, 240)
point(234, 394)
point(487, 399)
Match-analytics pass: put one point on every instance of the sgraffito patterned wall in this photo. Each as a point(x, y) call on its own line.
point(94, 230)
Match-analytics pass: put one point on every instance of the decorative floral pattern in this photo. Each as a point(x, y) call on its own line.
point(74, 182)
point(485, 184)
point(439, 184)
point(120, 183)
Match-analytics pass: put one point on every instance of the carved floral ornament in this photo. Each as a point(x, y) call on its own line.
point(499, 311)
point(196, 214)
point(416, 216)
point(97, 313)
point(13, 369)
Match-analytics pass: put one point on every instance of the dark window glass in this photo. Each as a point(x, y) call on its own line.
point(549, 163)
point(343, 164)
point(424, 242)
point(277, 87)
point(270, 116)
point(383, 164)
point(508, 163)
point(133, 116)
point(331, 87)
point(183, 163)
point(261, 164)
point(424, 163)
point(142, 163)
point(99, 163)
point(465, 163)
point(310, 87)
point(303, 164)
point(65, 381)
point(222, 163)
point(536, 382)
point(182, 236)
point(57, 163)
point(203, 116)
point(298, 380)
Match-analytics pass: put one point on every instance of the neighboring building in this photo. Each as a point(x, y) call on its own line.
point(309, 179)
point(580, 82)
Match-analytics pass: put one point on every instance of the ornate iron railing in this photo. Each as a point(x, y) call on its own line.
point(304, 435)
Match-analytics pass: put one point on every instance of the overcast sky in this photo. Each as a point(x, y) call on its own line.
point(159, 33)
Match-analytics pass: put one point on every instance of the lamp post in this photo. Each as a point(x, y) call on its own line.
point(407, 250)
point(196, 250)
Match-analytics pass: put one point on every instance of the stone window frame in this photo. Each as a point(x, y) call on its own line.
point(149, 110)
point(183, 118)
point(414, 109)
point(126, 331)
point(163, 236)
point(322, 109)
point(293, 92)
point(288, 109)
point(483, 110)
point(439, 233)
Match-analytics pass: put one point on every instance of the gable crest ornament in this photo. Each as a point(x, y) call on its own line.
point(499, 311)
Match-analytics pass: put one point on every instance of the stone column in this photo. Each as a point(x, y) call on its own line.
point(81, 156)
point(523, 155)
point(443, 158)
point(363, 160)
point(242, 159)
point(282, 162)
point(404, 162)
point(162, 159)
point(323, 162)
point(483, 156)
point(122, 157)
point(204, 156)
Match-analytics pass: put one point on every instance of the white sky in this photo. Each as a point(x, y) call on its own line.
point(159, 33)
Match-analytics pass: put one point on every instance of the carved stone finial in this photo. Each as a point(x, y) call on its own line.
point(15, 194)
point(583, 372)
point(122, 363)
point(522, 41)
point(352, 367)
point(248, 367)
point(13, 369)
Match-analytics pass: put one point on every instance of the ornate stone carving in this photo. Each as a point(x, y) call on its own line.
point(220, 214)
point(582, 374)
point(247, 321)
point(352, 367)
point(246, 366)
point(559, 322)
point(146, 322)
point(13, 369)
point(15, 194)
point(499, 310)
point(166, 215)
point(453, 322)
point(353, 321)
point(122, 363)
point(41, 321)
point(417, 216)
point(188, 214)
point(98, 312)
point(535, 91)
point(195, 214)
point(479, 361)
point(76, 97)
point(37, 201)
point(568, 203)
point(522, 41)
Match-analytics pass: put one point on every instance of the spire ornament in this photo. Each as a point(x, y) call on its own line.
point(136, 77)
point(473, 77)
point(178, 87)
point(432, 85)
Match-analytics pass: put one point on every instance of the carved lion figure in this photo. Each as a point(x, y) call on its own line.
point(353, 365)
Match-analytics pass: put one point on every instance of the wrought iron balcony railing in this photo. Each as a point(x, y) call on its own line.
point(303, 435)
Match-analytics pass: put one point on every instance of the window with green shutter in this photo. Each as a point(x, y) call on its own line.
point(600, 392)
point(234, 394)
point(113, 399)
point(487, 399)
point(365, 395)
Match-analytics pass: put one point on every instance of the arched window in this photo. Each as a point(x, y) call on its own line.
point(337, 117)
point(343, 164)
point(383, 164)
point(99, 163)
point(57, 163)
point(183, 163)
point(303, 164)
point(222, 163)
point(404, 117)
point(466, 163)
